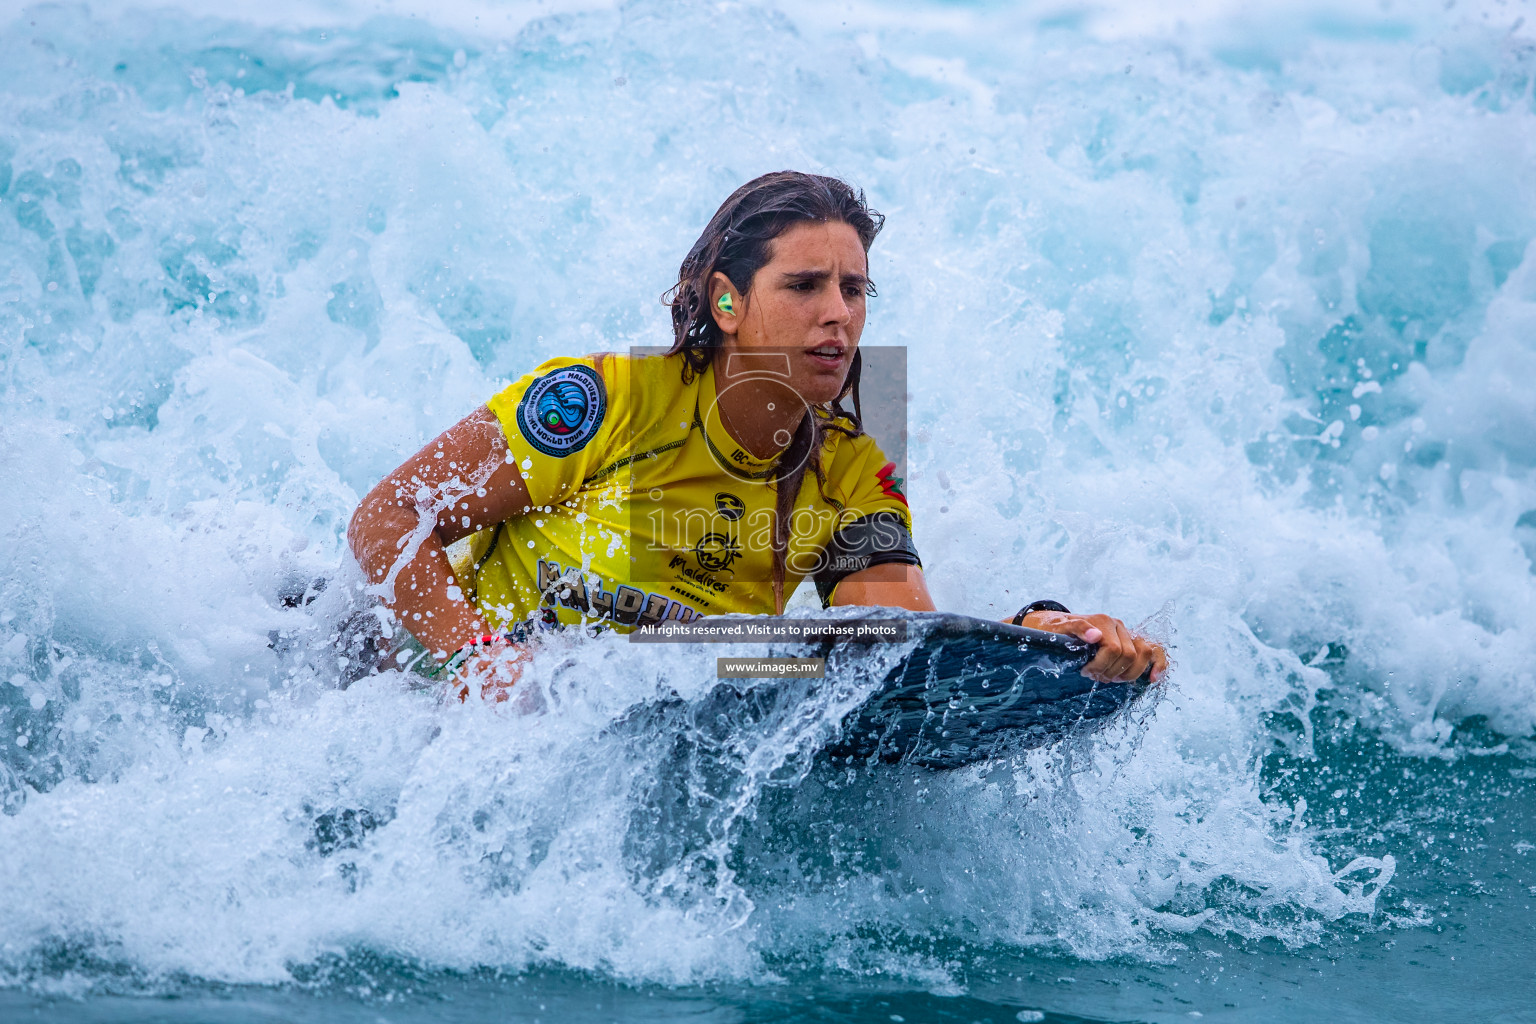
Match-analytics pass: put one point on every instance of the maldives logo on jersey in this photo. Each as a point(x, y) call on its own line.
point(890, 483)
point(561, 411)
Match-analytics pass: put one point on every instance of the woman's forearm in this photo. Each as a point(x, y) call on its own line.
point(461, 482)
point(424, 595)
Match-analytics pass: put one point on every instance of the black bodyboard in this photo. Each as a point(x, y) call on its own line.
point(970, 690)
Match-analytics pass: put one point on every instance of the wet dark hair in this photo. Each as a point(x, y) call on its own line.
point(737, 242)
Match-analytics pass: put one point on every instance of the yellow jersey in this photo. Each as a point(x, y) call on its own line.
point(645, 509)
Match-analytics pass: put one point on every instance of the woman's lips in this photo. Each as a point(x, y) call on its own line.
point(827, 362)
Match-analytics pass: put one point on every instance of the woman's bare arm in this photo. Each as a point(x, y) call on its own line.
point(460, 483)
point(891, 585)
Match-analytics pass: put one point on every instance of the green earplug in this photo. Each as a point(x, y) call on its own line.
point(724, 304)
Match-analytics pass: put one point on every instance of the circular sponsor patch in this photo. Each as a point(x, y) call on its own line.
point(561, 411)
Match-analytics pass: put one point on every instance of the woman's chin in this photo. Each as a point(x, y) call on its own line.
point(821, 387)
point(820, 393)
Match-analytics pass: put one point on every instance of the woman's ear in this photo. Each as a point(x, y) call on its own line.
point(725, 303)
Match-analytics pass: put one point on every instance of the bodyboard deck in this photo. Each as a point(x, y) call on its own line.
point(969, 690)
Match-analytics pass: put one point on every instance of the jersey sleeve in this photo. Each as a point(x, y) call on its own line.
point(562, 422)
point(874, 524)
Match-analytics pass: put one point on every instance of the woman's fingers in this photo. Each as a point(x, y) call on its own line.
point(1103, 660)
point(1140, 656)
point(1147, 656)
point(1107, 632)
point(501, 674)
point(1084, 627)
point(1121, 648)
point(1123, 656)
point(496, 670)
point(1109, 655)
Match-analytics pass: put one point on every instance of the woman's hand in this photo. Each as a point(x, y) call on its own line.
point(494, 669)
point(1122, 656)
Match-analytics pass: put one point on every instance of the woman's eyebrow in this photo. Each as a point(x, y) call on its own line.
point(822, 275)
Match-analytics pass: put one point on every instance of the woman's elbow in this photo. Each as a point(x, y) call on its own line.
point(362, 529)
point(375, 521)
point(357, 527)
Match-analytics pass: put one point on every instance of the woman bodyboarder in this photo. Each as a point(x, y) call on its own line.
point(633, 489)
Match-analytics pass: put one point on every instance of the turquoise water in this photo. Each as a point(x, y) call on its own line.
point(1225, 324)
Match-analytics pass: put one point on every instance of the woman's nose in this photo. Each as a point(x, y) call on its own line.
point(836, 310)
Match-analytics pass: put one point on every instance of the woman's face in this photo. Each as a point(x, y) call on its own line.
point(807, 301)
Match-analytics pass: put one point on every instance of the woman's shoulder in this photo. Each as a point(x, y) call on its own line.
point(649, 369)
point(624, 377)
point(860, 475)
point(601, 392)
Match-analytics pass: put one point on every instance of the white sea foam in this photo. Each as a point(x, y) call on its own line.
point(1228, 322)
